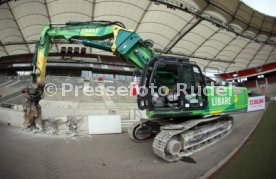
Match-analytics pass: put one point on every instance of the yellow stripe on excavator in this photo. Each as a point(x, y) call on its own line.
point(41, 67)
point(216, 112)
point(115, 32)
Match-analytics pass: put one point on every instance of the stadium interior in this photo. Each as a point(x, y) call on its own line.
point(228, 40)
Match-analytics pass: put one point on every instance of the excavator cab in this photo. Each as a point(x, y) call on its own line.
point(171, 83)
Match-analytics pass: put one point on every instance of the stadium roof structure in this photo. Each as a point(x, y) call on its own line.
point(220, 34)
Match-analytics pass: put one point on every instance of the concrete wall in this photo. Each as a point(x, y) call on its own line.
point(12, 117)
point(57, 107)
point(128, 112)
point(60, 113)
point(57, 110)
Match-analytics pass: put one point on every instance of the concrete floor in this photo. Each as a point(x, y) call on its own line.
point(27, 155)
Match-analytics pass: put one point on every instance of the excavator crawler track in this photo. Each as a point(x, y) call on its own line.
point(182, 140)
point(140, 131)
point(131, 130)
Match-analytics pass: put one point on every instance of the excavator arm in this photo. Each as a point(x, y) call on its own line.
point(125, 43)
point(104, 35)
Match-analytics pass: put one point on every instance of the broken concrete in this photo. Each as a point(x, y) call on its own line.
point(64, 125)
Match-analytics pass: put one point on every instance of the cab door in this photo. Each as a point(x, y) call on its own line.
point(194, 82)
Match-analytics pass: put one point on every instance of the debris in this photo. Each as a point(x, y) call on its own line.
point(73, 134)
point(31, 107)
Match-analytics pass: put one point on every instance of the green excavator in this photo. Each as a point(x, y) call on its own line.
point(185, 114)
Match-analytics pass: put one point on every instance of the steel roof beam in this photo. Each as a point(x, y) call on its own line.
point(215, 32)
point(255, 54)
point(5, 50)
point(270, 54)
point(226, 45)
point(142, 17)
point(275, 46)
point(245, 44)
point(49, 17)
point(93, 3)
point(180, 36)
point(233, 38)
point(234, 59)
point(183, 33)
point(16, 23)
point(260, 48)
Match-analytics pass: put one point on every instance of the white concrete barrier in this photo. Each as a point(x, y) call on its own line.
point(104, 124)
point(11, 117)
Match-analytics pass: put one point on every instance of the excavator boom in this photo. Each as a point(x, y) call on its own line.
point(104, 35)
point(125, 43)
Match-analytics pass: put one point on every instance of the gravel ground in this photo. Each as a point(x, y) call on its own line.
point(27, 155)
